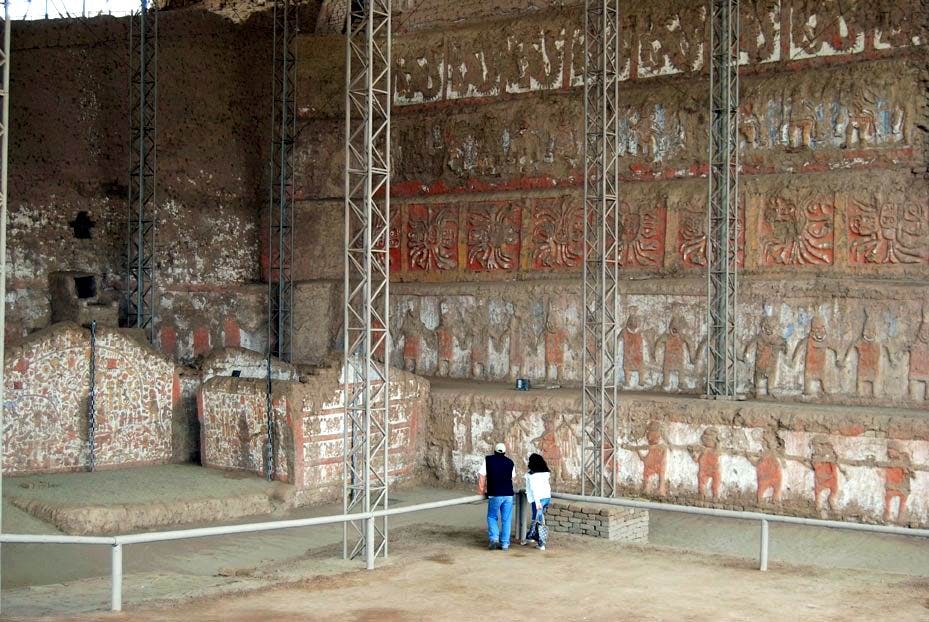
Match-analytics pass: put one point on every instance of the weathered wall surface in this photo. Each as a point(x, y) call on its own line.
point(69, 151)
point(46, 387)
point(808, 461)
point(486, 241)
point(309, 420)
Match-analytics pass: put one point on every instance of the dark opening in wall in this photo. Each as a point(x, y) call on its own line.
point(85, 286)
point(82, 225)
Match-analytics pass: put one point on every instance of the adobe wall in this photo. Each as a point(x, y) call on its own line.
point(46, 387)
point(69, 146)
point(487, 206)
point(818, 461)
point(309, 420)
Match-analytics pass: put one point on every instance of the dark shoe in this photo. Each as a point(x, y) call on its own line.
point(493, 546)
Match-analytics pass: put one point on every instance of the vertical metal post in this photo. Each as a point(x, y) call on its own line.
point(92, 400)
point(723, 207)
point(601, 234)
point(366, 378)
point(116, 576)
point(143, 105)
point(763, 556)
point(4, 159)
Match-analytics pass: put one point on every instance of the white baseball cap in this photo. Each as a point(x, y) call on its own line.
point(500, 448)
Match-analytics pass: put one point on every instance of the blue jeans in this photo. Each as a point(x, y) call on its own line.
point(538, 509)
point(499, 508)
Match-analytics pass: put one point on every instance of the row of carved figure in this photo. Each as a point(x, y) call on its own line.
point(826, 466)
point(530, 140)
point(673, 352)
point(663, 38)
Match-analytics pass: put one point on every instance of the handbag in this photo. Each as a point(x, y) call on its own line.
point(541, 530)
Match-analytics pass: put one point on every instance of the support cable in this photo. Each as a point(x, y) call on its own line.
point(367, 274)
point(143, 105)
point(723, 205)
point(92, 401)
point(601, 235)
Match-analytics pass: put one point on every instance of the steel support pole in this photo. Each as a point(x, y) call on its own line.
point(368, 96)
point(601, 234)
point(763, 554)
point(4, 160)
point(143, 104)
point(116, 577)
point(723, 207)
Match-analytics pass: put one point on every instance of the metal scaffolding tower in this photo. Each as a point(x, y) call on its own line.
point(601, 234)
point(143, 105)
point(367, 273)
point(4, 153)
point(280, 217)
point(723, 208)
point(280, 209)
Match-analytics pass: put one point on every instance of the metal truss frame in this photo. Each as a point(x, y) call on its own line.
point(723, 206)
point(280, 208)
point(367, 275)
point(601, 235)
point(143, 106)
point(4, 159)
point(280, 216)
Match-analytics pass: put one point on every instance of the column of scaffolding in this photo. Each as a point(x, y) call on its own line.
point(366, 321)
point(280, 209)
point(4, 151)
point(143, 95)
point(601, 234)
point(723, 206)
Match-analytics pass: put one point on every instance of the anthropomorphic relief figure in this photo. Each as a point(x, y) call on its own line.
point(412, 330)
point(633, 350)
point(898, 473)
point(768, 344)
point(868, 349)
point(825, 464)
point(555, 338)
point(678, 351)
point(706, 455)
point(446, 333)
point(918, 374)
point(768, 467)
point(654, 457)
point(815, 348)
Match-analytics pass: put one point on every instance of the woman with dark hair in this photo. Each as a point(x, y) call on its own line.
point(539, 494)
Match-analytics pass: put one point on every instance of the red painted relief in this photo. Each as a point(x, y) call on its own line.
point(691, 235)
point(558, 234)
point(796, 233)
point(816, 23)
point(888, 232)
point(641, 236)
point(493, 236)
point(432, 237)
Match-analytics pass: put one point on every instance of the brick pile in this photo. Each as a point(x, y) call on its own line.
point(598, 521)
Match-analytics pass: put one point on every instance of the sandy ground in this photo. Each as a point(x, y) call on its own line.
point(439, 574)
point(44, 580)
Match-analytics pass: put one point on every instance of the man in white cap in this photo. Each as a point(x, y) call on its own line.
point(495, 480)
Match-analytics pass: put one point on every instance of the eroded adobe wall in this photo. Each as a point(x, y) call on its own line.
point(486, 241)
point(774, 457)
point(69, 155)
point(308, 429)
point(46, 389)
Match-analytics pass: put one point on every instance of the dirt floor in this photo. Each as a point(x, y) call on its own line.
point(440, 574)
